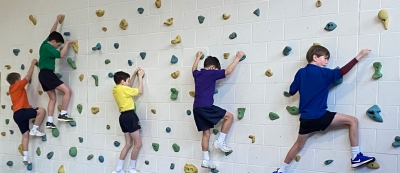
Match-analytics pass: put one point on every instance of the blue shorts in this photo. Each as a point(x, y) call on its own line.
point(22, 117)
point(129, 121)
point(206, 117)
point(320, 124)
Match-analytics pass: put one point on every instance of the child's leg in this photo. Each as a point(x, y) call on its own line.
point(226, 125)
point(297, 146)
point(228, 119)
point(124, 151)
point(135, 151)
point(66, 97)
point(205, 140)
point(352, 122)
point(51, 105)
point(25, 144)
point(40, 113)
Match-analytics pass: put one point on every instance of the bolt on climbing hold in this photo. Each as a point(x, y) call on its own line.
point(188, 112)
point(104, 28)
point(110, 75)
point(172, 166)
point(175, 74)
point(38, 152)
point(269, 73)
point(16, 52)
point(22, 67)
point(116, 143)
point(377, 74)
point(241, 113)
point(7, 121)
point(174, 93)
point(61, 19)
point(108, 127)
point(257, 12)
point(3, 133)
point(140, 10)
point(123, 24)
point(29, 167)
point(81, 76)
point(143, 55)
point(297, 158)
point(215, 91)
point(95, 110)
point(44, 138)
point(373, 165)
point(374, 113)
point(11, 131)
point(253, 138)
point(318, 3)
point(293, 110)
point(100, 13)
point(55, 132)
point(20, 149)
point(96, 80)
point(33, 19)
point(228, 153)
point(116, 45)
point(168, 129)
point(59, 107)
point(286, 94)
point(178, 39)
point(30, 50)
point(174, 59)
point(328, 162)
point(215, 131)
point(176, 147)
point(201, 19)
point(107, 61)
point(233, 35)
point(202, 57)
point(384, 16)
point(155, 146)
point(286, 50)
point(67, 33)
point(226, 55)
point(158, 3)
point(90, 157)
point(71, 63)
point(8, 67)
point(169, 21)
point(154, 111)
point(273, 116)
point(191, 93)
point(146, 162)
point(101, 159)
point(72, 123)
point(3, 106)
point(189, 168)
point(214, 170)
point(10, 163)
point(59, 75)
point(226, 16)
point(130, 63)
point(79, 107)
point(80, 139)
point(316, 44)
point(396, 142)
point(61, 169)
point(330, 26)
point(97, 47)
point(50, 155)
point(243, 57)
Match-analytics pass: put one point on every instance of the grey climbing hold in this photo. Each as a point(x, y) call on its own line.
point(72, 123)
point(73, 151)
point(22, 67)
point(44, 138)
point(273, 116)
point(176, 147)
point(101, 159)
point(168, 129)
point(50, 155)
point(188, 112)
point(29, 167)
point(286, 50)
point(116, 45)
point(327, 162)
point(330, 26)
point(143, 55)
point(80, 139)
point(10, 163)
point(201, 19)
point(3, 106)
point(90, 157)
point(130, 63)
point(140, 10)
point(215, 131)
point(174, 59)
point(16, 52)
point(257, 12)
point(97, 47)
point(172, 166)
point(67, 33)
point(233, 35)
point(374, 113)
point(11, 131)
point(110, 75)
point(146, 162)
point(155, 146)
point(108, 127)
point(116, 143)
point(286, 94)
point(243, 57)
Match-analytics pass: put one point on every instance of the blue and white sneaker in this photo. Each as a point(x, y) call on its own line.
point(277, 171)
point(360, 159)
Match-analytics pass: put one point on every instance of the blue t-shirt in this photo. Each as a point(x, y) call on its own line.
point(204, 81)
point(313, 83)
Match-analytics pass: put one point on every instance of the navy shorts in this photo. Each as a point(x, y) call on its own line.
point(49, 80)
point(129, 121)
point(320, 124)
point(206, 117)
point(22, 117)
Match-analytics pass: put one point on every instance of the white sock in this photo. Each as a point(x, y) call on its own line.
point(120, 165)
point(35, 127)
point(63, 112)
point(355, 150)
point(206, 155)
point(26, 153)
point(133, 164)
point(283, 167)
point(221, 137)
point(50, 119)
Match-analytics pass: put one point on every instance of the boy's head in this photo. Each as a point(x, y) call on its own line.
point(13, 77)
point(121, 78)
point(318, 55)
point(56, 39)
point(212, 63)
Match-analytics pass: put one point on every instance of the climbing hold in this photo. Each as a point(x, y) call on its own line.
point(155, 146)
point(123, 24)
point(38, 152)
point(80, 139)
point(253, 138)
point(202, 57)
point(293, 110)
point(59, 75)
point(22, 67)
point(61, 19)
point(158, 3)
point(330, 26)
point(44, 138)
point(154, 111)
point(226, 16)
point(59, 107)
point(108, 127)
point(33, 19)
point(174, 93)
point(176, 147)
point(146, 162)
point(3, 106)
point(243, 57)
point(104, 28)
point(61, 169)
point(101, 159)
point(178, 39)
point(215, 91)
point(50, 155)
point(16, 52)
point(97, 47)
point(143, 55)
point(79, 107)
point(10, 163)
point(374, 113)
point(378, 73)
point(233, 35)
point(71, 63)
point(81, 76)
point(130, 63)
point(30, 50)
point(172, 166)
point(228, 153)
point(339, 81)
point(189, 168)
point(273, 116)
point(11, 131)
point(257, 12)
point(328, 162)
point(174, 59)
point(3, 133)
point(169, 21)
point(286, 94)
point(8, 67)
point(396, 142)
point(168, 129)
point(215, 131)
point(110, 75)
point(107, 61)
point(201, 18)
point(241, 113)
point(7, 121)
point(297, 158)
point(269, 73)
point(373, 165)
point(20, 149)
point(140, 10)
point(90, 157)
point(226, 55)
point(192, 93)
point(214, 170)
point(100, 13)
point(188, 112)
point(72, 123)
point(384, 16)
point(318, 3)
point(316, 44)
point(67, 33)
point(55, 132)
point(96, 80)
point(116, 143)
point(175, 74)
point(286, 50)
point(116, 45)
point(29, 167)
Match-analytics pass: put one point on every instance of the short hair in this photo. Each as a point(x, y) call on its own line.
point(210, 60)
point(56, 36)
point(317, 50)
point(13, 77)
point(120, 76)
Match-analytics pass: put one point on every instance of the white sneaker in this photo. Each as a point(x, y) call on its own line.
point(131, 170)
point(121, 171)
point(208, 164)
point(36, 133)
point(26, 160)
point(222, 145)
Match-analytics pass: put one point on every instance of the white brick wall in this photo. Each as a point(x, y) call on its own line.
point(294, 23)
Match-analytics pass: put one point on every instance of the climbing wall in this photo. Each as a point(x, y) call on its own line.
point(163, 37)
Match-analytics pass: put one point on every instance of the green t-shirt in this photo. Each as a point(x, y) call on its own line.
point(47, 56)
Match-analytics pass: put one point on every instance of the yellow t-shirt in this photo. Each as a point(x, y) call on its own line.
point(123, 96)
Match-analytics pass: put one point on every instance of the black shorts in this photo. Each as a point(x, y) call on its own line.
point(49, 80)
point(320, 124)
point(22, 117)
point(129, 121)
point(206, 117)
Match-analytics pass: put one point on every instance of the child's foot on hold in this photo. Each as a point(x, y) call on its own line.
point(50, 125)
point(360, 159)
point(120, 171)
point(208, 164)
point(65, 117)
point(26, 160)
point(222, 145)
point(131, 170)
point(36, 133)
point(278, 171)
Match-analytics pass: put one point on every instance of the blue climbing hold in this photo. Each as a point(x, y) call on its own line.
point(168, 129)
point(80, 139)
point(214, 170)
point(374, 113)
point(243, 57)
point(174, 59)
point(50, 155)
point(97, 47)
point(10, 163)
point(11, 131)
point(130, 63)
point(396, 142)
point(101, 159)
point(172, 166)
point(286, 94)
point(44, 138)
point(116, 45)
point(111, 75)
point(233, 35)
point(286, 50)
point(16, 52)
point(72, 123)
point(201, 19)
point(116, 143)
point(67, 33)
point(22, 67)
point(257, 12)
point(188, 112)
point(327, 162)
point(29, 167)
point(143, 55)
point(140, 10)
point(215, 91)
point(330, 26)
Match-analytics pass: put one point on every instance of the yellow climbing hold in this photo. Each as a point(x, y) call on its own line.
point(7, 93)
point(61, 169)
point(373, 165)
point(40, 92)
point(154, 111)
point(34, 21)
point(30, 50)
point(189, 168)
point(100, 13)
point(226, 55)
point(318, 3)
point(316, 44)
point(75, 46)
point(8, 67)
point(169, 21)
point(253, 138)
point(62, 19)
point(269, 73)
point(158, 3)
point(20, 149)
point(123, 24)
point(297, 158)
point(175, 74)
point(384, 16)
point(95, 110)
point(104, 28)
point(59, 107)
point(191, 93)
point(177, 40)
point(226, 16)
point(3, 133)
point(81, 77)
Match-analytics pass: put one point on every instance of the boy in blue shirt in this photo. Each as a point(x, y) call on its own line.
point(313, 83)
point(206, 115)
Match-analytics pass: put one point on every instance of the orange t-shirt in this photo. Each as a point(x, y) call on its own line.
point(18, 95)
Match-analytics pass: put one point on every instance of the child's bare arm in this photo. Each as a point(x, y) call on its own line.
point(140, 79)
point(64, 50)
point(132, 80)
point(30, 71)
point(196, 62)
point(54, 28)
point(232, 66)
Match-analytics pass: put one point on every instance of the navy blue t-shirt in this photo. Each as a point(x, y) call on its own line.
point(313, 83)
point(204, 81)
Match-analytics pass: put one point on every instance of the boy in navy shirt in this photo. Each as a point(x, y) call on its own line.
point(313, 83)
point(206, 115)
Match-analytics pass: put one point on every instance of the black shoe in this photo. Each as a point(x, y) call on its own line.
point(50, 125)
point(65, 117)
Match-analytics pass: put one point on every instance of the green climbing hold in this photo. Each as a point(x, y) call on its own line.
point(215, 131)
point(79, 107)
point(71, 63)
point(11, 131)
point(146, 162)
point(257, 12)
point(116, 143)
point(80, 139)
point(50, 155)
point(59, 75)
point(101, 159)
point(38, 152)
point(273, 116)
point(172, 167)
point(228, 153)
point(202, 57)
point(44, 138)
point(96, 80)
point(155, 146)
point(3, 106)
point(10, 163)
point(377, 67)
point(233, 35)
point(55, 132)
point(107, 61)
point(168, 129)
point(7, 121)
point(29, 167)
point(174, 93)
point(73, 151)
point(286, 94)
point(327, 162)
point(176, 147)
point(188, 112)
point(293, 110)
point(72, 123)
point(108, 127)
point(241, 113)
point(90, 157)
